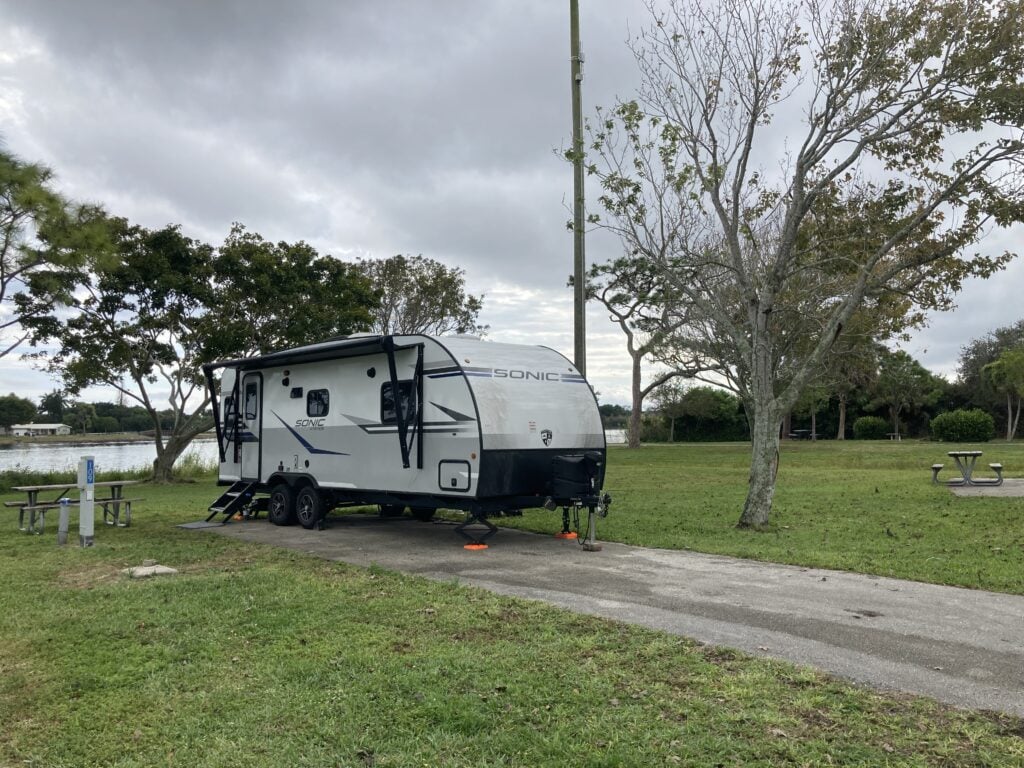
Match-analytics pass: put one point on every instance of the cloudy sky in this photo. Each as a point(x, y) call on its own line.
point(365, 127)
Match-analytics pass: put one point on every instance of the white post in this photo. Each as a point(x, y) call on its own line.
point(86, 497)
point(63, 523)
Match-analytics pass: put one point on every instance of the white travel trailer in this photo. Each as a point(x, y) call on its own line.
point(406, 421)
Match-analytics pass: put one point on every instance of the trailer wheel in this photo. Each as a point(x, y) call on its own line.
point(391, 510)
point(423, 514)
point(281, 505)
point(309, 507)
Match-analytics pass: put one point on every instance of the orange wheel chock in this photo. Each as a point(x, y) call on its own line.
point(477, 545)
point(566, 535)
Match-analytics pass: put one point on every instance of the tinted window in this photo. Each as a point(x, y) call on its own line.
point(229, 418)
point(251, 397)
point(318, 402)
point(388, 414)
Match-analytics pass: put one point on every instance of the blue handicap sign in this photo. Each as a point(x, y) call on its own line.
point(90, 472)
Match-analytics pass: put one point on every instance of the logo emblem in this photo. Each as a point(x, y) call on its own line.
point(545, 435)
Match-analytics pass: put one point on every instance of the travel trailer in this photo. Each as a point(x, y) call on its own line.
point(408, 421)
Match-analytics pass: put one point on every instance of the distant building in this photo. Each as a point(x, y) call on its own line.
point(32, 430)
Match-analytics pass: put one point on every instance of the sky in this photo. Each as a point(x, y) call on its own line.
point(366, 128)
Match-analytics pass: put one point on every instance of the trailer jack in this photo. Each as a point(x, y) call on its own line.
point(566, 532)
point(476, 541)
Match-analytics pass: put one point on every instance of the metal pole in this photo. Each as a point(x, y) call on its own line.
point(579, 255)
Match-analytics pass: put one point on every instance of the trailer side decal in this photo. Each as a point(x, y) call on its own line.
point(305, 443)
point(506, 373)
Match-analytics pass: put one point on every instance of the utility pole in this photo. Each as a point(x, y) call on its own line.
point(579, 254)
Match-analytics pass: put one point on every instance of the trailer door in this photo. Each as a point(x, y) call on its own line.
point(252, 425)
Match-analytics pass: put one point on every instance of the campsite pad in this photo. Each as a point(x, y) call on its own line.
point(964, 647)
point(1011, 488)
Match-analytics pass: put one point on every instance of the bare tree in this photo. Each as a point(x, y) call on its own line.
point(910, 120)
point(631, 291)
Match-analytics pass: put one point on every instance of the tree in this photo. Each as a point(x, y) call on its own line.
point(145, 324)
point(1006, 375)
point(81, 417)
point(52, 406)
point(15, 410)
point(38, 229)
point(693, 175)
point(270, 295)
point(973, 381)
point(904, 384)
point(629, 289)
point(420, 295)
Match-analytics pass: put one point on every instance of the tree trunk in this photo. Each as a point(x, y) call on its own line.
point(764, 465)
point(633, 435)
point(163, 464)
point(787, 426)
point(895, 423)
point(841, 432)
point(1016, 419)
point(671, 429)
point(814, 426)
point(1010, 426)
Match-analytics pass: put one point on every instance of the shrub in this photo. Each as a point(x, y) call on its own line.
point(870, 428)
point(974, 426)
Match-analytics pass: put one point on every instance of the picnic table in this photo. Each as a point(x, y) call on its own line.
point(965, 461)
point(57, 496)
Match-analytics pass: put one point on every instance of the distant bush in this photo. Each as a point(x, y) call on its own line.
point(974, 426)
point(870, 428)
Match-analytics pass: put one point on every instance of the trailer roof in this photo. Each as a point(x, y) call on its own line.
point(326, 350)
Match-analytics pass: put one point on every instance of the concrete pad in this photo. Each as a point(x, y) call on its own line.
point(1011, 488)
point(960, 646)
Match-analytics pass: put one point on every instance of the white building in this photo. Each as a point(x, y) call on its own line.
point(31, 430)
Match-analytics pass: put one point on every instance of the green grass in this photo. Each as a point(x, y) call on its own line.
point(255, 656)
point(858, 506)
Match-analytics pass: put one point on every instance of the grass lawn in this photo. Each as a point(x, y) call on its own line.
point(255, 656)
point(858, 506)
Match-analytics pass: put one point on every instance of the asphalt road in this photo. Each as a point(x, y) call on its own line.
point(963, 647)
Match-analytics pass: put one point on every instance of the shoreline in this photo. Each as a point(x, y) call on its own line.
point(113, 438)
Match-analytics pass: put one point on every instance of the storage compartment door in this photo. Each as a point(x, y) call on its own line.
point(453, 476)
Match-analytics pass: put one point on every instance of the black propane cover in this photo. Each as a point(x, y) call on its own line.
point(573, 475)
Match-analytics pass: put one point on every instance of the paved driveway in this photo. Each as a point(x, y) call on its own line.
point(964, 647)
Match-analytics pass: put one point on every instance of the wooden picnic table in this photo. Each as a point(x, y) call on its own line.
point(37, 509)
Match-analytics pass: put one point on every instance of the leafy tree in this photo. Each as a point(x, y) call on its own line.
point(146, 323)
point(81, 417)
point(106, 424)
point(693, 178)
point(420, 295)
point(52, 406)
point(38, 229)
point(1006, 375)
point(270, 295)
point(974, 383)
point(702, 413)
point(903, 385)
point(614, 416)
point(15, 410)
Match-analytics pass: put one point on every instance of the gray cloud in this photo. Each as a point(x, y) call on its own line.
point(366, 127)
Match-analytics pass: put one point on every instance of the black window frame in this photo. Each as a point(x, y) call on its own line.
point(252, 396)
point(322, 397)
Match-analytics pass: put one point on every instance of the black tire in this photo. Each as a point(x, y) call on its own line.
point(309, 507)
point(423, 514)
point(281, 505)
point(391, 510)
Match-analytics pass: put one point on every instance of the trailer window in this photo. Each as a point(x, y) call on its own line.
point(388, 414)
point(251, 399)
point(318, 402)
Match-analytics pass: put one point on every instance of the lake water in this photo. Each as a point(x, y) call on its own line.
point(110, 457)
